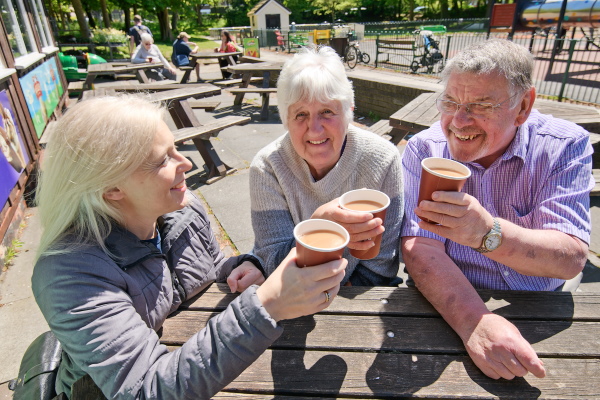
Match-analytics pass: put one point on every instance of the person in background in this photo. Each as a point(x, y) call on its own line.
point(183, 46)
point(135, 33)
point(228, 45)
point(522, 220)
point(148, 52)
point(125, 243)
point(322, 155)
point(280, 40)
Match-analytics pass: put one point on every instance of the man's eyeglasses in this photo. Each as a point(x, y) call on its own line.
point(450, 107)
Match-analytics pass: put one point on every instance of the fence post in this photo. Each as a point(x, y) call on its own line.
point(447, 49)
point(566, 74)
point(377, 50)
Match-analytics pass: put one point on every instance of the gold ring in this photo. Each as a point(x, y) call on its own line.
point(327, 296)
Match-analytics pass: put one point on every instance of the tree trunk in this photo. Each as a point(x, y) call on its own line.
point(163, 23)
point(411, 12)
point(444, 9)
point(174, 21)
point(90, 17)
point(83, 26)
point(105, 16)
point(127, 18)
point(199, 14)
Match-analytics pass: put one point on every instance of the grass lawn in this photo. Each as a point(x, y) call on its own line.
point(202, 43)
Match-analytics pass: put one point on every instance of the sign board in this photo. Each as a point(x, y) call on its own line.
point(13, 155)
point(43, 89)
point(251, 47)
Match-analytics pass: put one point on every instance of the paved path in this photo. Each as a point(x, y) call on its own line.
point(227, 199)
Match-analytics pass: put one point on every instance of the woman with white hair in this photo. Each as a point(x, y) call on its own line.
point(125, 243)
point(322, 156)
point(148, 52)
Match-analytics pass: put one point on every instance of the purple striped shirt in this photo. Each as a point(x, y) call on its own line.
point(542, 181)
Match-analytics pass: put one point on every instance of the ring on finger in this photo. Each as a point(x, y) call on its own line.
point(327, 296)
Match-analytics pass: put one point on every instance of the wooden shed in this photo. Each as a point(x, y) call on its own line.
point(32, 94)
point(269, 14)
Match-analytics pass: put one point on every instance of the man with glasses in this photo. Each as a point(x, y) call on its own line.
point(522, 219)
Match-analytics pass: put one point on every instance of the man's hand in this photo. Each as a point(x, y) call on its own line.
point(498, 349)
point(361, 226)
point(243, 276)
point(461, 217)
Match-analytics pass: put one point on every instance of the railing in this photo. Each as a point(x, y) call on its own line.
point(573, 73)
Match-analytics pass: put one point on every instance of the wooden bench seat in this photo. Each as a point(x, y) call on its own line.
point(234, 82)
point(596, 190)
point(264, 92)
point(204, 104)
point(208, 130)
point(75, 87)
point(382, 128)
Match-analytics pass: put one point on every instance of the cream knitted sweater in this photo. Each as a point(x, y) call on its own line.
point(284, 193)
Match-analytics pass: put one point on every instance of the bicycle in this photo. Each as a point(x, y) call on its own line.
point(353, 54)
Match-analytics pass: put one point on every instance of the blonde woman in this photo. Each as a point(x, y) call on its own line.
point(148, 52)
point(125, 243)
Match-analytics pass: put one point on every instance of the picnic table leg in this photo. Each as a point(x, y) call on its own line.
point(141, 76)
point(183, 117)
point(264, 112)
point(245, 82)
point(266, 79)
point(186, 75)
point(87, 85)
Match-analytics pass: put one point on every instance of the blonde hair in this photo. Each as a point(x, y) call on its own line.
point(314, 74)
point(96, 145)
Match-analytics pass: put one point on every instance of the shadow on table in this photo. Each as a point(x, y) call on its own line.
point(414, 370)
point(249, 110)
point(288, 367)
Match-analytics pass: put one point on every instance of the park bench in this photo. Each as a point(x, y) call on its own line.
point(402, 51)
point(234, 82)
point(382, 128)
point(204, 104)
point(264, 92)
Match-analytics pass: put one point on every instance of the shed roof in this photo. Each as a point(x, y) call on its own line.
point(262, 3)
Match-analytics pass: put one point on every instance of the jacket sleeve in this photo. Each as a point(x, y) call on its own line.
point(271, 218)
point(84, 299)
point(161, 57)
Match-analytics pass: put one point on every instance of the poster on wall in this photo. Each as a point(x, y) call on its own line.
point(251, 48)
point(13, 155)
point(43, 89)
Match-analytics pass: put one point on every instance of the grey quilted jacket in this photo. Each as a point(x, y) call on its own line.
point(105, 311)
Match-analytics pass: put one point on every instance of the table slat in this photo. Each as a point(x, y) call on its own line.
point(409, 301)
point(373, 333)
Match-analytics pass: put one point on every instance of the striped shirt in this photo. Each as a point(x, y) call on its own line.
point(542, 181)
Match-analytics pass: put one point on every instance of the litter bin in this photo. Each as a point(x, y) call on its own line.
point(339, 44)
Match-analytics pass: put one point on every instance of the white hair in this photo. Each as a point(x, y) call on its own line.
point(314, 74)
point(93, 147)
point(146, 38)
point(502, 57)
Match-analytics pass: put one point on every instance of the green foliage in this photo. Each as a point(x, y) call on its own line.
point(11, 252)
point(108, 35)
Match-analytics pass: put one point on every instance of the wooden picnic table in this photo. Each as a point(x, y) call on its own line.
point(380, 342)
point(207, 55)
point(421, 113)
point(94, 70)
point(183, 117)
point(248, 69)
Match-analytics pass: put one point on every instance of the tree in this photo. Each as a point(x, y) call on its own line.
point(83, 26)
point(332, 7)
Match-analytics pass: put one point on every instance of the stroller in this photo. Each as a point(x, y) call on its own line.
point(430, 55)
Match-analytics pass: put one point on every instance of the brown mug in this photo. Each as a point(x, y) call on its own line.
point(319, 241)
point(371, 201)
point(441, 174)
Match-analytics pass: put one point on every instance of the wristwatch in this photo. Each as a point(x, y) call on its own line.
point(492, 240)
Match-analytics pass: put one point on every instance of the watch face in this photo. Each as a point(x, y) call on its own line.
point(493, 241)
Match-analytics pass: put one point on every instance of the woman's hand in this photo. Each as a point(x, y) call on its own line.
point(291, 292)
point(362, 227)
point(243, 276)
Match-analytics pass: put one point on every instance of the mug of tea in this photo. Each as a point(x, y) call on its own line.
point(366, 201)
point(441, 174)
point(319, 241)
point(149, 59)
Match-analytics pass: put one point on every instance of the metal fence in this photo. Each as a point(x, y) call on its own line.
point(564, 68)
